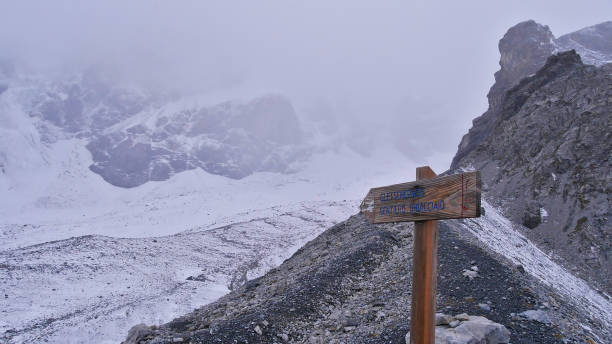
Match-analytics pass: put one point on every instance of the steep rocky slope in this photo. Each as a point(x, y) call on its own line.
point(544, 149)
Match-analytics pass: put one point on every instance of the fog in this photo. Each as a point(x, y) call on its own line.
point(408, 72)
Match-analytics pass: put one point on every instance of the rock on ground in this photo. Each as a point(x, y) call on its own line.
point(474, 330)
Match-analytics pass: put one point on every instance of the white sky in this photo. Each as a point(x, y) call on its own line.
point(378, 64)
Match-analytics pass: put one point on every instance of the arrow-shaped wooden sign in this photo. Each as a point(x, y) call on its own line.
point(450, 197)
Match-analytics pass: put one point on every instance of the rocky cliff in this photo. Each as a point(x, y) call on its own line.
point(544, 146)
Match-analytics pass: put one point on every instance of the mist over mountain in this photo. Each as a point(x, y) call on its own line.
point(136, 136)
point(193, 173)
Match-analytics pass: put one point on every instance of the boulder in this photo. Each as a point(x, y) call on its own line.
point(136, 333)
point(475, 330)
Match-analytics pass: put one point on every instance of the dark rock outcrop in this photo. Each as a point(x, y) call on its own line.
point(544, 153)
point(524, 49)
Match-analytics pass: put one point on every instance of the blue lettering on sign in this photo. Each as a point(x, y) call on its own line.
point(418, 207)
point(393, 210)
point(426, 207)
point(400, 195)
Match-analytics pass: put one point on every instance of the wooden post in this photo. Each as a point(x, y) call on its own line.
point(425, 201)
point(424, 275)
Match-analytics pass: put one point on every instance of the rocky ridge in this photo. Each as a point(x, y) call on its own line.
point(524, 49)
point(337, 289)
point(544, 150)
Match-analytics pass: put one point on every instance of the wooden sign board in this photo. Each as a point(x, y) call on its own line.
point(450, 197)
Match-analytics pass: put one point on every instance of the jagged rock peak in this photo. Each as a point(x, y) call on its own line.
point(526, 46)
point(523, 49)
point(555, 66)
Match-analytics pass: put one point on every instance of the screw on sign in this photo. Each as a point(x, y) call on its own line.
point(425, 201)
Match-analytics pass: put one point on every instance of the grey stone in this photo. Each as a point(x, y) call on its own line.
point(485, 307)
point(536, 315)
point(443, 319)
point(454, 323)
point(136, 333)
point(471, 274)
point(476, 330)
point(462, 317)
point(350, 322)
point(532, 215)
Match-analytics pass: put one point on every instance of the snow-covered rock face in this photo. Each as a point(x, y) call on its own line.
point(136, 137)
point(594, 43)
point(84, 104)
point(230, 139)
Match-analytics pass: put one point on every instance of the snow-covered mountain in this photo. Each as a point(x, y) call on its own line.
point(591, 43)
point(136, 136)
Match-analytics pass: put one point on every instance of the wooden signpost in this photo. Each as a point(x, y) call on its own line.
point(425, 201)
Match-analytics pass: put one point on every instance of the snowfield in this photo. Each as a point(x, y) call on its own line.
point(93, 288)
point(82, 261)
